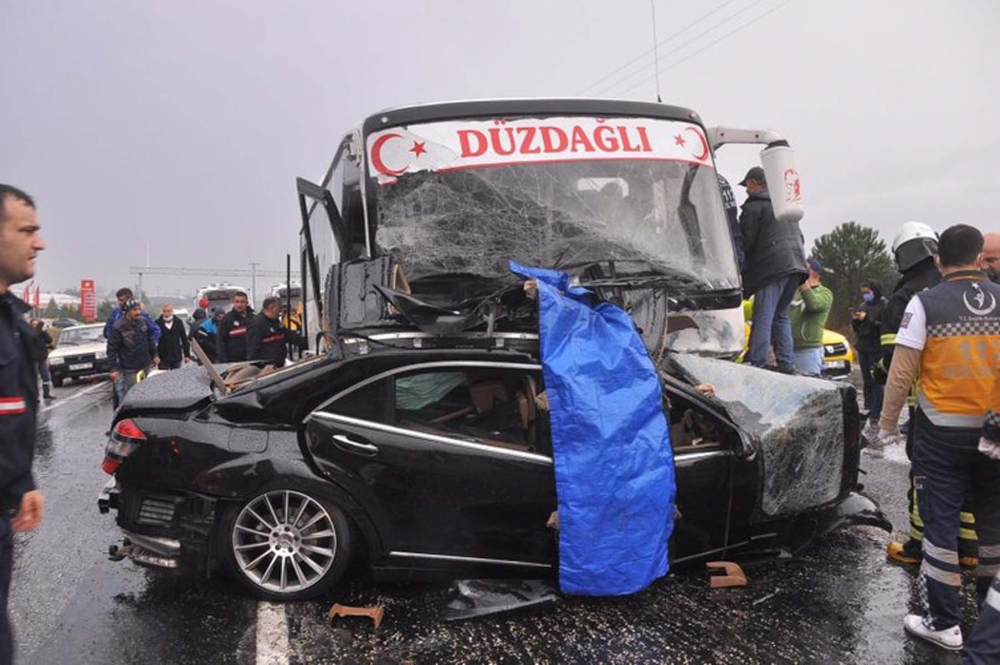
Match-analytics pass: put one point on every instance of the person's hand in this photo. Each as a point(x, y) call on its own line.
point(156, 361)
point(115, 376)
point(29, 516)
point(187, 360)
point(990, 448)
point(886, 437)
point(706, 389)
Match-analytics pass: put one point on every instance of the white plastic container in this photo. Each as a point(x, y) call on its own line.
point(783, 182)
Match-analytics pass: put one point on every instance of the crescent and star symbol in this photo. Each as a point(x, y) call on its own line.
point(704, 144)
point(980, 299)
point(380, 166)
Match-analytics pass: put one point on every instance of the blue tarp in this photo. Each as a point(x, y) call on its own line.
point(611, 443)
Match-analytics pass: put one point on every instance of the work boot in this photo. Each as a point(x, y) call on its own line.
point(949, 638)
point(910, 552)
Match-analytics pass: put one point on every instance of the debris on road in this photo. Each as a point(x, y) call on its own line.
point(477, 598)
point(734, 574)
point(376, 614)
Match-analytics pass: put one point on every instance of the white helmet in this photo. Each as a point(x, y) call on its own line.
point(915, 242)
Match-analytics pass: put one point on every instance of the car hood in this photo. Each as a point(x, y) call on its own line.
point(177, 389)
point(78, 350)
point(798, 423)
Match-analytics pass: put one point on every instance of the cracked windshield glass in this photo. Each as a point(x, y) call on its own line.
point(466, 197)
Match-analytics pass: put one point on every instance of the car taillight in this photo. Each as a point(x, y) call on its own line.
point(125, 438)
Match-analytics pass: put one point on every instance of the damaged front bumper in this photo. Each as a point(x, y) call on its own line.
point(791, 535)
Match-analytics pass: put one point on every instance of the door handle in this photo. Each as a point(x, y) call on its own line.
point(355, 446)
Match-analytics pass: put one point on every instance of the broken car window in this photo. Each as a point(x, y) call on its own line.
point(495, 407)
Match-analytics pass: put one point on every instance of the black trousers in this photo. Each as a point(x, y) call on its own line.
point(6, 566)
point(947, 465)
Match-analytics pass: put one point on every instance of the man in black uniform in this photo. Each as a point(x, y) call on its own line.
point(231, 337)
point(913, 251)
point(20, 502)
point(267, 339)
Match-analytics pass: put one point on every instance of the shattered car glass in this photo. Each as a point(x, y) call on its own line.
point(799, 422)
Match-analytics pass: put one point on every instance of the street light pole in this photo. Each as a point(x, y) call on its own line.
point(253, 284)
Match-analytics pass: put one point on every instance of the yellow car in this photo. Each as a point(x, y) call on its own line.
point(837, 352)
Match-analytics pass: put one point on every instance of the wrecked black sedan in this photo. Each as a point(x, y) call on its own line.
point(438, 462)
point(417, 439)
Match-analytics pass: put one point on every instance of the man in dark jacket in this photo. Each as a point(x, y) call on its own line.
point(865, 322)
point(231, 338)
point(174, 349)
point(20, 502)
point(40, 344)
point(123, 295)
point(131, 349)
point(775, 266)
point(267, 339)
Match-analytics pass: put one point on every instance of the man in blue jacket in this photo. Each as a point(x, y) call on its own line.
point(123, 295)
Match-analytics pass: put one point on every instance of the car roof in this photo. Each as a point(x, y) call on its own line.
point(84, 327)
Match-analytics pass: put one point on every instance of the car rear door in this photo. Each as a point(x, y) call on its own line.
point(437, 487)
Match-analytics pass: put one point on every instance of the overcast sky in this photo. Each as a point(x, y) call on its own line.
point(185, 122)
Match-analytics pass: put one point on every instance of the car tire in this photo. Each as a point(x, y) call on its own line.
point(57, 382)
point(286, 544)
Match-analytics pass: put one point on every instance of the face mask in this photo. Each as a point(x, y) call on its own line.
point(868, 297)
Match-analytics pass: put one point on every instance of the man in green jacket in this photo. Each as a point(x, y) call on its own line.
point(809, 311)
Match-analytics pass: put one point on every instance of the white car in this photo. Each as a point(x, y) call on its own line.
point(80, 351)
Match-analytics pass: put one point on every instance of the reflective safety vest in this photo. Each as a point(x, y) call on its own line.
point(960, 364)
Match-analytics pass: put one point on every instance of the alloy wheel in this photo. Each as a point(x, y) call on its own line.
point(284, 541)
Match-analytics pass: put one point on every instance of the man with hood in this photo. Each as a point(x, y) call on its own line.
point(775, 266)
point(865, 322)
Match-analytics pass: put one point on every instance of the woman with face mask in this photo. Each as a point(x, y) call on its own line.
point(865, 321)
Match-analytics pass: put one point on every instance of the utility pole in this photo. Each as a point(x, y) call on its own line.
point(253, 283)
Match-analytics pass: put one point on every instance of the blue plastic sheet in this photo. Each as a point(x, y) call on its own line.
point(611, 443)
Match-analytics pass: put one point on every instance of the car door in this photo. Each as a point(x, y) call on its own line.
point(707, 453)
point(428, 450)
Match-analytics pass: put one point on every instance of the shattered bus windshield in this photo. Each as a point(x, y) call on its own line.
point(467, 197)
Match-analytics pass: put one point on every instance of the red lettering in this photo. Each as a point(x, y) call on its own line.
point(498, 147)
point(548, 133)
point(626, 146)
point(644, 139)
point(467, 150)
point(580, 138)
point(609, 144)
point(529, 136)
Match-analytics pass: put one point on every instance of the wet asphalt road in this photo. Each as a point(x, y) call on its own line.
point(841, 602)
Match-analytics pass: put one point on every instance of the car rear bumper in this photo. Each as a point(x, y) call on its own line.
point(64, 372)
point(160, 529)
